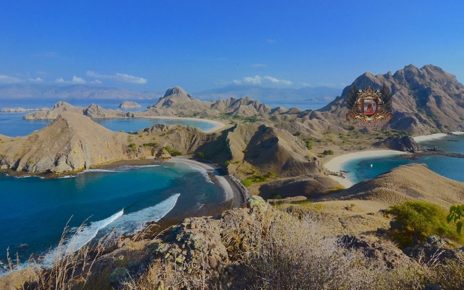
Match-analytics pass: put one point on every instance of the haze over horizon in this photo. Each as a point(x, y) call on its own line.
point(203, 45)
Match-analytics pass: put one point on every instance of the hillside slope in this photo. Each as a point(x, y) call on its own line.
point(72, 142)
point(407, 182)
point(425, 99)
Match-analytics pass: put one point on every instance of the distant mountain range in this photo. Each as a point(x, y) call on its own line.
point(317, 95)
point(40, 91)
point(308, 97)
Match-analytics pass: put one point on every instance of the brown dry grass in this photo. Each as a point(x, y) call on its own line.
point(279, 251)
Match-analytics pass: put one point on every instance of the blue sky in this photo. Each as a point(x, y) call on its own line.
point(152, 45)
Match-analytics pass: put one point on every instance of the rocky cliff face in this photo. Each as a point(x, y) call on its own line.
point(425, 99)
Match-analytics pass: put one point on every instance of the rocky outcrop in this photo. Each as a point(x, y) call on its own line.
point(401, 143)
point(374, 248)
point(129, 105)
point(98, 112)
point(434, 250)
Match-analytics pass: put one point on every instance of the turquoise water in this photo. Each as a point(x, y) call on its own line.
point(132, 125)
point(34, 211)
point(13, 125)
point(364, 169)
point(449, 144)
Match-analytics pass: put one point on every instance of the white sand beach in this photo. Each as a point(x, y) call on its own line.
point(424, 138)
point(204, 169)
point(217, 125)
point(337, 163)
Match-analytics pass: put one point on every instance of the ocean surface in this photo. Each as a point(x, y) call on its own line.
point(13, 124)
point(364, 169)
point(34, 211)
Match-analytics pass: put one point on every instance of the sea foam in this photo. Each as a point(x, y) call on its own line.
point(119, 222)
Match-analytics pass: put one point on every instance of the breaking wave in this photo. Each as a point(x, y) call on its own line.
point(135, 221)
point(119, 222)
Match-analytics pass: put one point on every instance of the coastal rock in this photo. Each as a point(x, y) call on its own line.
point(401, 143)
point(129, 105)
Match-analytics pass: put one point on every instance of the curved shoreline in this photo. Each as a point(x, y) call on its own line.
point(436, 136)
point(217, 124)
point(233, 192)
point(338, 163)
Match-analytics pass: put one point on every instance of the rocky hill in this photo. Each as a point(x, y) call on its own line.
point(129, 105)
point(243, 107)
point(425, 99)
point(93, 111)
point(176, 101)
point(71, 143)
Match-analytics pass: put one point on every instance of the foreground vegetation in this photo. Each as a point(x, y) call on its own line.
point(265, 248)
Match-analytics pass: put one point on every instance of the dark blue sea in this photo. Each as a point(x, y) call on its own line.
point(34, 211)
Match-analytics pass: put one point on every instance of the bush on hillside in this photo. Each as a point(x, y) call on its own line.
point(414, 221)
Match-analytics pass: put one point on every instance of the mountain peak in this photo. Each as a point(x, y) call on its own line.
point(176, 91)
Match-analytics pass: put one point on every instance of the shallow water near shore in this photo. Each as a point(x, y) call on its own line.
point(451, 167)
point(34, 211)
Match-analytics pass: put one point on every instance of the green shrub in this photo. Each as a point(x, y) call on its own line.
point(328, 152)
point(150, 144)
point(132, 147)
point(200, 155)
point(414, 221)
point(456, 215)
point(256, 178)
point(172, 151)
point(309, 144)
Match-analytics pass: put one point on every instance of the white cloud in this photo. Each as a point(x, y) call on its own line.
point(75, 80)
point(60, 81)
point(35, 80)
point(262, 80)
point(118, 77)
point(5, 79)
point(78, 80)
